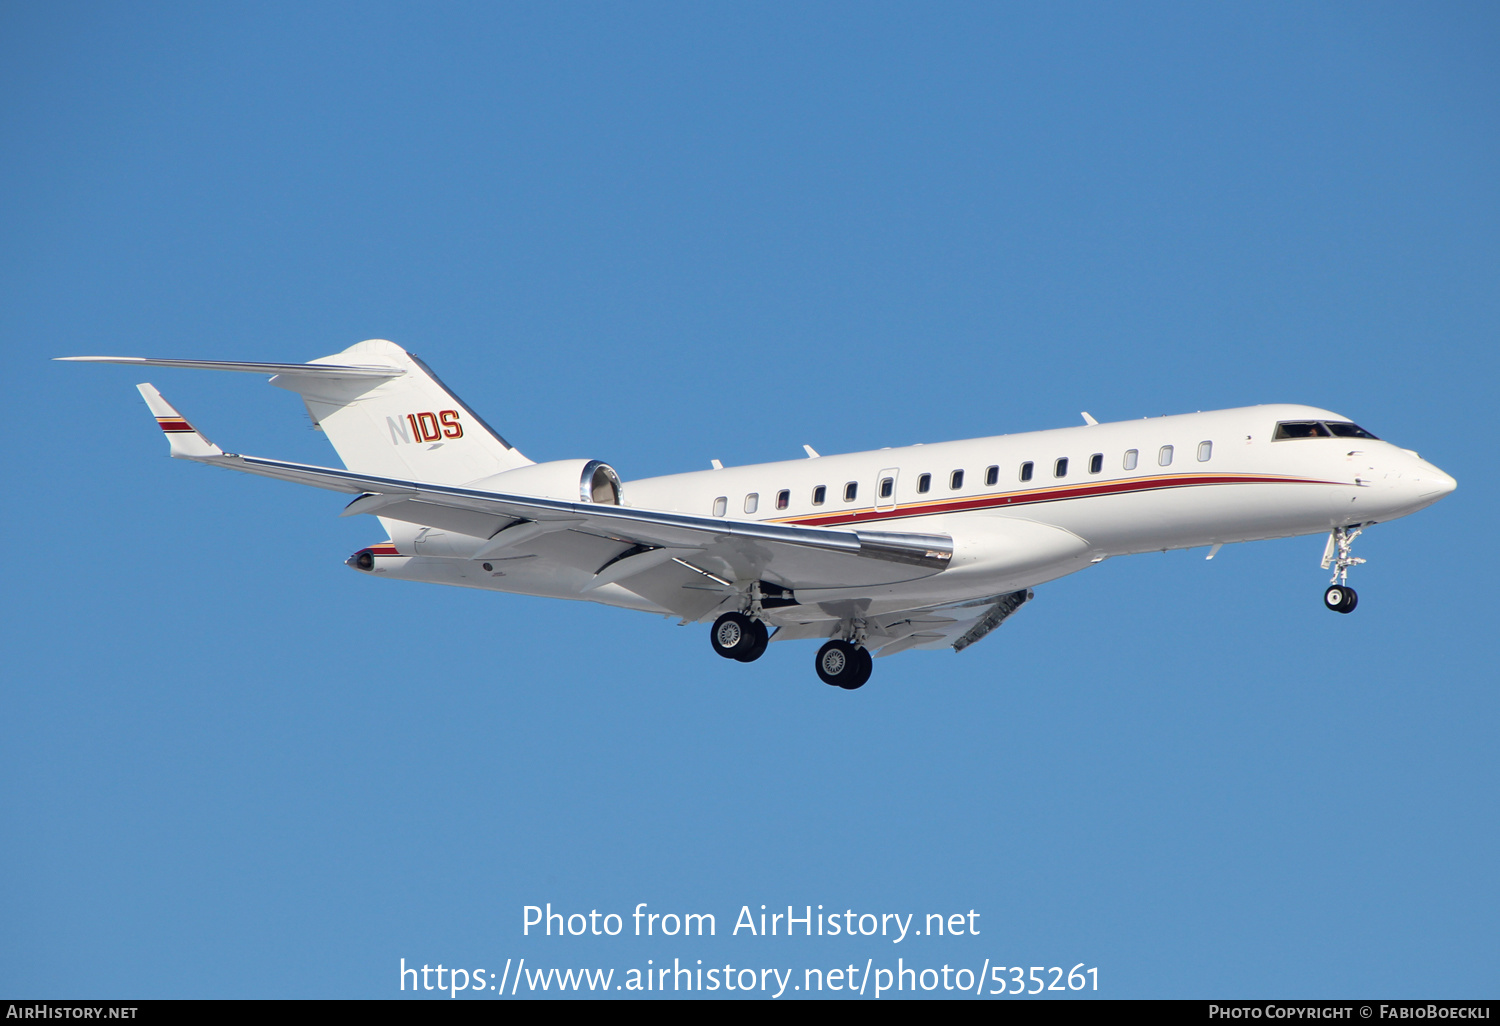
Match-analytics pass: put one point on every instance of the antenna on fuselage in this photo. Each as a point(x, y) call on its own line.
point(1088, 418)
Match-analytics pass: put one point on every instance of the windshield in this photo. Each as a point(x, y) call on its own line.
point(1319, 429)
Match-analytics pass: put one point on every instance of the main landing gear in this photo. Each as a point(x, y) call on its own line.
point(1340, 597)
point(844, 664)
point(737, 636)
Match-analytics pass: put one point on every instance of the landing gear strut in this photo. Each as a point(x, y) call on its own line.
point(1340, 597)
point(737, 636)
point(844, 665)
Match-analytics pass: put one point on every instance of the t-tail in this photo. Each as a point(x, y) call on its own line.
point(385, 412)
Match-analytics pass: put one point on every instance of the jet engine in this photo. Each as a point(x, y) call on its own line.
point(568, 480)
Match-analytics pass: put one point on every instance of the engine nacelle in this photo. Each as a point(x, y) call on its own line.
point(568, 480)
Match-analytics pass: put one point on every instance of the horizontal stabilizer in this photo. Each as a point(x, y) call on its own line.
point(383, 410)
point(324, 369)
point(184, 439)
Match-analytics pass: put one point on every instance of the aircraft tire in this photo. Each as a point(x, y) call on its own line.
point(733, 635)
point(843, 665)
point(1340, 599)
point(761, 638)
point(864, 665)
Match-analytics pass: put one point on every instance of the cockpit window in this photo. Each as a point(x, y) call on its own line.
point(1301, 429)
point(1320, 429)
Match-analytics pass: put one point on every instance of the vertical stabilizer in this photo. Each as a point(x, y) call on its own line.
point(405, 426)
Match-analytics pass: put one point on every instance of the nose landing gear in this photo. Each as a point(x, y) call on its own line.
point(1340, 597)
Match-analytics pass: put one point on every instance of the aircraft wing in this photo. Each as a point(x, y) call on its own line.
point(637, 544)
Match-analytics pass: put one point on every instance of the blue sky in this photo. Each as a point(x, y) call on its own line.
point(659, 234)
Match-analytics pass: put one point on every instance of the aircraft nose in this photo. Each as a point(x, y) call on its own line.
point(1426, 484)
point(1437, 484)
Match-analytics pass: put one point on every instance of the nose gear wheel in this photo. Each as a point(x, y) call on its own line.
point(1340, 597)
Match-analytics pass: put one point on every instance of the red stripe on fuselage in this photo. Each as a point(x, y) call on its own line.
point(1008, 500)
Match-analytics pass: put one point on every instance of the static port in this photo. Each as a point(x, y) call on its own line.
point(488, 566)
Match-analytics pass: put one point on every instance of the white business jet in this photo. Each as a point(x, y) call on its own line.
point(926, 546)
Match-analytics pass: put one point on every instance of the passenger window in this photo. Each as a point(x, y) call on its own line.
point(819, 494)
point(721, 505)
point(1205, 451)
point(1060, 469)
point(991, 475)
point(752, 502)
point(1096, 463)
point(851, 490)
point(956, 480)
point(1131, 455)
point(783, 498)
point(1026, 471)
point(924, 483)
point(887, 486)
point(1165, 456)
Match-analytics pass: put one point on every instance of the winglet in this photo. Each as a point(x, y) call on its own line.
point(185, 440)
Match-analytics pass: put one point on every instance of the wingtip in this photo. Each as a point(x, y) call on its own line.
point(184, 439)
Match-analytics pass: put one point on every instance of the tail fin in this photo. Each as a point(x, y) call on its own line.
point(385, 412)
point(409, 425)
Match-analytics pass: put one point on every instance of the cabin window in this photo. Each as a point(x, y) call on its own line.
point(924, 483)
point(1060, 468)
point(1205, 451)
point(1165, 456)
point(819, 494)
point(956, 480)
point(721, 505)
point(752, 502)
point(1131, 456)
point(887, 487)
point(1096, 463)
point(851, 490)
point(991, 475)
point(1026, 469)
point(783, 498)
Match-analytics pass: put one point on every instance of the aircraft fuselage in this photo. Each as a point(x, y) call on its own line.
point(1092, 492)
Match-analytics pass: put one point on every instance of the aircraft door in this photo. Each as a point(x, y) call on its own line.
point(885, 489)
